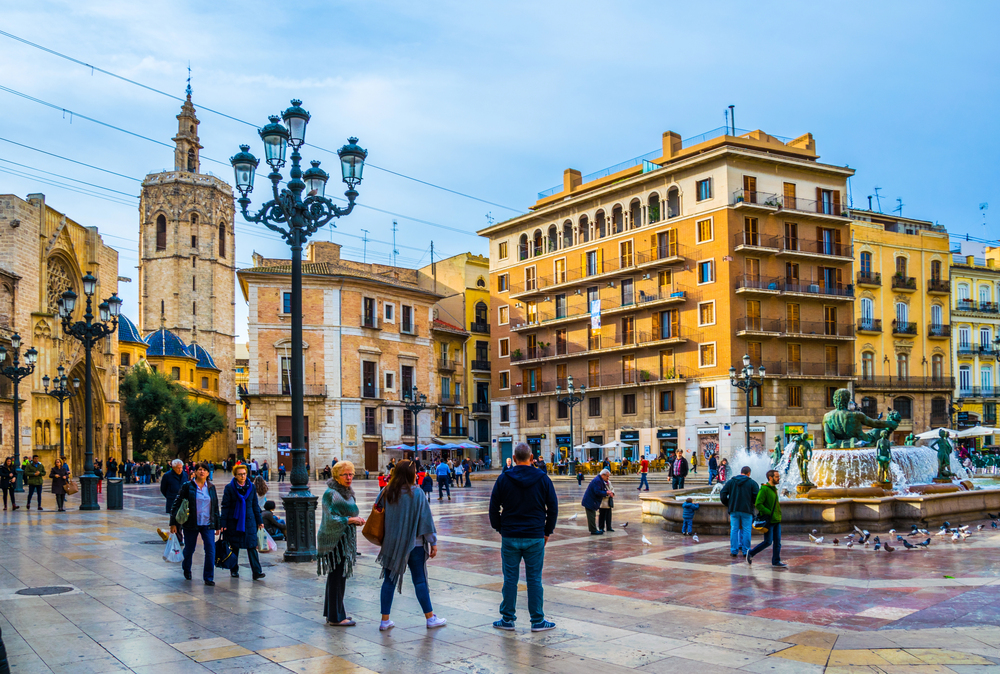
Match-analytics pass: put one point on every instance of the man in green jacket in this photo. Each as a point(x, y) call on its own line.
point(34, 474)
point(769, 509)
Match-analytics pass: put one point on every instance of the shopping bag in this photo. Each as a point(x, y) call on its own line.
point(262, 541)
point(374, 528)
point(271, 545)
point(70, 487)
point(224, 557)
point(173, 553)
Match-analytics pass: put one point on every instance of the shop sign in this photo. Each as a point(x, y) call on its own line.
point(758, 429)
point(629, 435)
point(708, 431)
point(666, 434)
point(795, 429)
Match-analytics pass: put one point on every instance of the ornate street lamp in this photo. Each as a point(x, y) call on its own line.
point(415, 402)
point(89, 332)
point(61, 392)
point(570, 400)
point(296, 216)
point(16, 373)
point(745, 381)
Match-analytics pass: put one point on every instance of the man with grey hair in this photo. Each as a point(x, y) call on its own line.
point(170, 486)
point(596, 492)
point(523, 509)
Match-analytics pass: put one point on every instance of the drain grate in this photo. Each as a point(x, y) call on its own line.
point(247, 566)
point(43, 591)
point(155, 541)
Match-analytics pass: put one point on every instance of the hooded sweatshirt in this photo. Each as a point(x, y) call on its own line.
point(524, 504)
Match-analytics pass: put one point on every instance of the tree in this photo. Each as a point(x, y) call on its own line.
point(149, 400)
point(197, 423)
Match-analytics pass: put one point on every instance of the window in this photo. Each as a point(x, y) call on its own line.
point(869, 406)
point(902, 314)
point(531, 312)
point(628, 369)
point(628, 330)
point(791, 236)
point(204, 382)
point(751, 233)
point(407, 380)
point(936, 315)
point(559, 268)
point(868, 366)
point(963, 291)
point(194, 283)
point(795, 396)
point(594, 406)
point(935, 270)
point(126, 359)
point(504, 346)
point(505, 380)
point(867, 313)
point(830, 390)
point(666, 401)
point(194, 308)
point(222, 239)
point(754, 350)
point(529, 278)
point(964, 379)
point(827, 201)
point(502, 250)
point(704, 230)
point(239, 435)
point(706, 272)
point(904, 406)
point(505, 414)
point(789, 194)
point(986, 380)
point(707, 394)
point(831, 356)
point(753, 315)
point(531, 411)
point(446, 387)
point(625, 253)
point(561, 343)
point(985, 337)
point(669, 324)
point(964, 337)
point(793, 354)
point(593, 373)
point(390, 417)
point(161, 233)
point(901, 265)
point(755, 398)
point(389, 312)
point(562, 410)
point(503, 283)
point(937, 367)
point(866, 264)
point(628, 403)
point(985, 294)
point(503, 315)
point(561, 305)
point(628, 292)
point(407, 322)
point(194, 241)
point(175, 373)
point(706, 313)
point(830, 320)
point(703, 189)
point(592, 263)
point(368, 316)
point(706, 355)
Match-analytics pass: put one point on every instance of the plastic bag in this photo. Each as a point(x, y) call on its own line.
point(173, 552)
point(271, 545)
point(262, 541)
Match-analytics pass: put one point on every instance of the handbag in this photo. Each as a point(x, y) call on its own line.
point(182, 512)
point(374, 529)
point(70, 487)
point(224, 557)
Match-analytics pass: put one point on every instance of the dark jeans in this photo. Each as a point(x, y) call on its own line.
point(333, 603)
point(416, 563)
point(8, 490)
point(604, 519)
point(678, 483)
point(773, 536)
point(254, 559)
point(60, 501)
point(532, 551)
point(208, 542)
point(468, 478)
point(591, 520)
point(35, 489)
point(281, 477)
point(444, 484)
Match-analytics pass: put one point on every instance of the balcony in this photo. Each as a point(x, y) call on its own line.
point(753, 241)
point(449, 401)
point(978, 392)
point(908, 328)
point(752, 199)
point(608, 343)
point(480, 328)
point(790, 247)
point(880, 383)
point(794, 369)
point(869, 279)
point(972, 307)
point(480, 408)
point(938, 331)
point(447, 364)
point(755, 284)
point(480, 366)
point(797, 287)
point(666, 254)
point(799, 329)
point(939, 286)
point(870, 325)
point(279, 390)
point(938, 420)
point(370, 321)
point(634, 377)
point(967, 350)
point(454, 431)
point(776, 202)
point(905, 283)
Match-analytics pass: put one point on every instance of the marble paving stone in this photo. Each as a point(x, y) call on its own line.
point(780, 666)
point(219, 653)
point(108, 664)
point(295, 652)
point(201, 644)
point(672, 665)
point(247, 664)
point(142, 651)
point(325, 665)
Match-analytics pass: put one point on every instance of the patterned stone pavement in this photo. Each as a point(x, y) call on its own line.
point(673, 606)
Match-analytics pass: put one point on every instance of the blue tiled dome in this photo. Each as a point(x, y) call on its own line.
point(127, 331)
point(204, 357)
point(165, 343)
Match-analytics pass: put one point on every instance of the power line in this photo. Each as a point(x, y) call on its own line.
point(82, 182)
point(94, 68)
point(71, 188)
point(74, 161)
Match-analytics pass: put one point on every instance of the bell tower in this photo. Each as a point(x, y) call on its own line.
point(186, 145)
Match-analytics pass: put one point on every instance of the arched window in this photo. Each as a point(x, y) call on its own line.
point(600, 226)
point(482, 313)
point(867, 313)
point(901, 266)
point(903, 367)
point(866, 264)
point(964, 380)
point(985, 380)
point(868, 366)
point(869, 406)
point(653, 208)
point(567, 235)
point(964, 336)
point(553, 238)
point(985, 338)
point(191, 163)
point(985, 294)
point(522, 247)
point(963, 293)
point(161, 233)
point(937, 367)
point(902, 314)
point(673, 203)
point(537, 243)
point(935, 270)
point(222, 239)
point(904, 406)
point(583, 231)
point(617, 220)
point(635, 214)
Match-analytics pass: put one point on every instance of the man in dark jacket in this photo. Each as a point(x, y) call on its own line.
point(739, 496)
point(170, 487)
point(677, 468)
point(596, 492)
point(523, 509)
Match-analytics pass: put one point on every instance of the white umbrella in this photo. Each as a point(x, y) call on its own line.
point(616, 444)
point(977, 432)
point(932, 434)
point(588, 445)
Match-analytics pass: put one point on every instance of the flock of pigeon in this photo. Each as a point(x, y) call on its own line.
point(956, 534)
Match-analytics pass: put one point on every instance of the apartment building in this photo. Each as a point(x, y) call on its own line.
point(367, 339)
point(976, 336)
point(646, 281)
point(902, 314)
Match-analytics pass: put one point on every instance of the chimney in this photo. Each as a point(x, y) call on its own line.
point(572, 179)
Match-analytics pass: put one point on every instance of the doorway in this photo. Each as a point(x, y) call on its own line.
point(285, 441)
point(371, 456)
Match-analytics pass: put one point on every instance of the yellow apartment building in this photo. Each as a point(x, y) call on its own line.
point(976, 328)
point(241, 377)
point(903, 346)
point(646, 281)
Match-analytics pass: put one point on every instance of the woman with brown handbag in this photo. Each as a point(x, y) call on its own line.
point(338, 542)
point(60, 476)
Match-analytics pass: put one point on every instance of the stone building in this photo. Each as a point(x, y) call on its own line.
point(646, 281)
point(43, 253)
point(366, 338)
point(187, 260)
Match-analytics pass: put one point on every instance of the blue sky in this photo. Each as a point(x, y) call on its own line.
point(494, 100)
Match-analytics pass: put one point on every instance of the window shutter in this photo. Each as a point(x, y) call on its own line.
point(656, 325)
point(836, 202)
point(655, 255)
point(675, 323)
point(600, 260)
point(583, 265)
point(840, 277)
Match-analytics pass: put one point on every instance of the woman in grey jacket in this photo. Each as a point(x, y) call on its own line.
point(410, 539)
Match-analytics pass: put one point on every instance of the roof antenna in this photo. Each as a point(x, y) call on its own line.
point(869, 202)
point(732, 117)
point(899, 207)
point(725, 112)
point(878, 201)
point(364, 250)
point(395, 252)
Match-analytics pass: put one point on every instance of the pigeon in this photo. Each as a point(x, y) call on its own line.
point(913, 530)
point(892, 532)
point(955, 537)
point(867, 544)
point(836, 542)
point(694, 537)
point(888, 548)
point(993, 517)
point(908, 545)
point(925, 543)
point(645, 541)
point(625, 526)
point(865, 539)
point(863, 532)
point(980, 527)
point(814, 539)
point(784, 492)
point(573, 516)
point(946, 525)
point(923, 532)
point(994, 524)
point(964, 527)
point(850, 544)
point(898, 537)
point(878, 546)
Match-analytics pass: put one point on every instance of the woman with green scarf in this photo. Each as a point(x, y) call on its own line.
point(338, 542)
point(410, 539)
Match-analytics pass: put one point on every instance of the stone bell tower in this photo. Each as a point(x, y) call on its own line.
point(187, 255)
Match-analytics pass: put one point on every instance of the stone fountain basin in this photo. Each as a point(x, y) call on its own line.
point(833, 515)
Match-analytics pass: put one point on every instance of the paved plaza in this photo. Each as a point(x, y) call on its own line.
point(674, 606)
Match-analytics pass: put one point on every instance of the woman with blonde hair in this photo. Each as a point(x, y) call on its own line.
point(337, 543)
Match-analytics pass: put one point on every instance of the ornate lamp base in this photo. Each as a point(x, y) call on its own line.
point(301, 527)
point(88, 493)
point(19, 483)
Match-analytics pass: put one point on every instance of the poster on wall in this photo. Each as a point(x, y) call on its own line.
point(595, 316)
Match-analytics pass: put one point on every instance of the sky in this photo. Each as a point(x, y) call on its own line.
point(492, 101)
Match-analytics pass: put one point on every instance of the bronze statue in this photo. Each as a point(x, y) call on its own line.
point(776, 456)
point(844, 428)
point(911, 440)
point(944, 450)
point(884, 458)
point(803, 455)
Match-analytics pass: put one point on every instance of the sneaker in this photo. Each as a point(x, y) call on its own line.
point(210, 583)
point(779, 565)
point(596, 533)
point(504, 625)
point(435, 621)
point(386, 625)
point(732, 554)
point(749, 558)
point(543, 626)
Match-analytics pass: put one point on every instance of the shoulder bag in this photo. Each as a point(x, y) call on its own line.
point(182, 509)
point(374, 529)
point(70, 487)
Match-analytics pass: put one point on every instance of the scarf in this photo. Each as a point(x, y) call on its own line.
point(337, 540)
point(241, 504)
point(405, 521)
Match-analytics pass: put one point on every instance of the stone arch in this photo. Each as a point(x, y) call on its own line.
point(61, 273)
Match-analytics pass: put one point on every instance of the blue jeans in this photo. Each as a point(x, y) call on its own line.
point(739, 531)
point(35, 489)
point(773, 535)
point(416, 564)
point(512, 551)
point(643, 481)
point(208, 540)
point(688, 525)
point(678, 482)
point(444, 484)
point(712, 476)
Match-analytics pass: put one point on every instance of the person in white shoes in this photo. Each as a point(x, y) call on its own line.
point(410, 540)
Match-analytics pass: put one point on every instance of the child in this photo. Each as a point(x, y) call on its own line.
point(428, 485)
point(579, 475)
point(688, 526)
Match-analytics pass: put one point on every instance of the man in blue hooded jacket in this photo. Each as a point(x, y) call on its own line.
point(523, 509)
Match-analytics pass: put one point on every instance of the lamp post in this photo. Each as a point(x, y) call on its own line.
point(415, 402)
point(744, 380)
point(16, 373)
point(296, 217)
point(570, 400)
point(88, 332)
point(61, 392)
